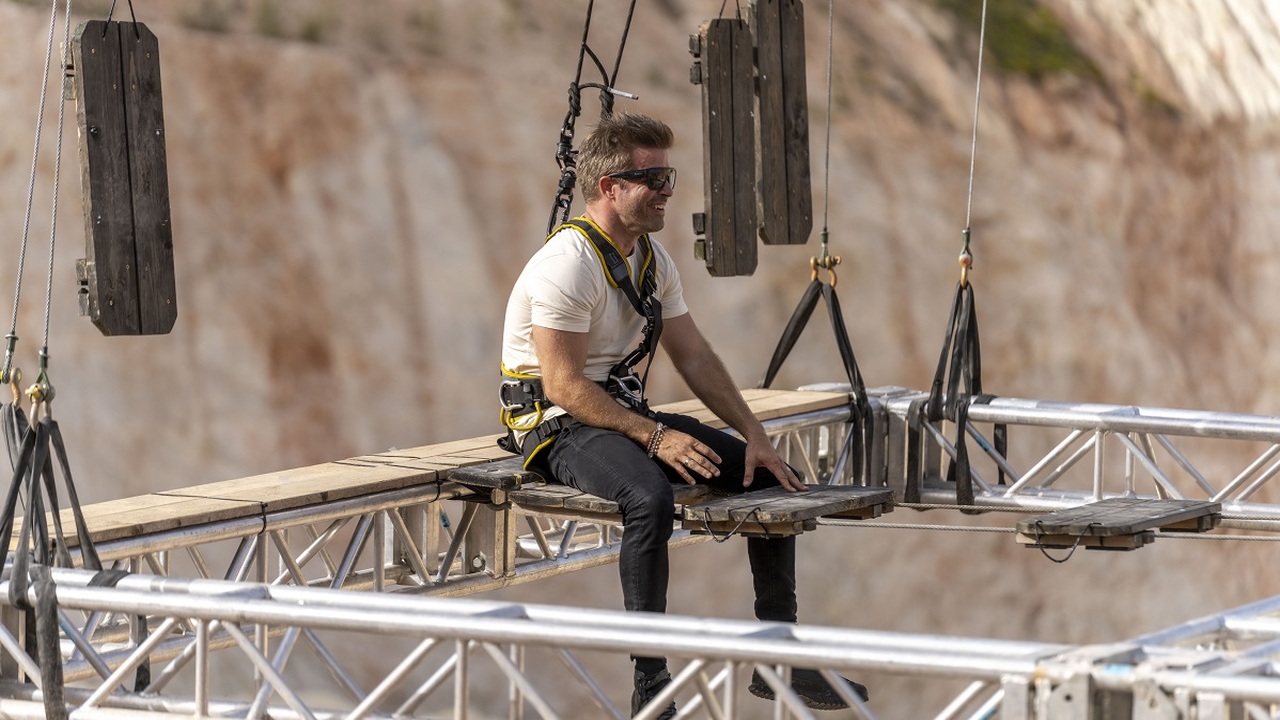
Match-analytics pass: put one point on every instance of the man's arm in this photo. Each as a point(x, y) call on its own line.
point(563, 355)
point(707, 377)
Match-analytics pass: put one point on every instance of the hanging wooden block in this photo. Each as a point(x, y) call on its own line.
point(723, 67)
point(786, 195)
point(126, 278)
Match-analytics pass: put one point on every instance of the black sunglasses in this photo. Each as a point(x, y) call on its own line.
point(655, 178)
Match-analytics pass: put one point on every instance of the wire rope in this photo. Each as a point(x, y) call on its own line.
point(826, 158)
point(12, 337)
point(977, 104)
point(57, 172)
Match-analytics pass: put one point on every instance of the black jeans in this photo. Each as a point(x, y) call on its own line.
point(610, 465)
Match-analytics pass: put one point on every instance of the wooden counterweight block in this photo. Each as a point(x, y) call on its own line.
point(786, 194)
point(127, 282)
point(723, 67)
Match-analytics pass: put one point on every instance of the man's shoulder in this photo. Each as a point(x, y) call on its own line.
point(563, 260)
point(567, 241)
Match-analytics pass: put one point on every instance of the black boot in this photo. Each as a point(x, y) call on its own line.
point(647, 688)
point(814, 689)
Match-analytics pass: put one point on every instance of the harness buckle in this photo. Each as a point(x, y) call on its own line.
point(628, 389)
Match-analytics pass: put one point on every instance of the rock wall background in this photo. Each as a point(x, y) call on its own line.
point(355, 186)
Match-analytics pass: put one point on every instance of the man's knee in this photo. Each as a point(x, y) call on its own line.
point(653, 499)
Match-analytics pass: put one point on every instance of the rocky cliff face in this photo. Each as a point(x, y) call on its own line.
point(348, 220)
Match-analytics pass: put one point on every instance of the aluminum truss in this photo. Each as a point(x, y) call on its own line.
point(1067, 454)
point(271, 607)
point(436, 539)
point(445, 657)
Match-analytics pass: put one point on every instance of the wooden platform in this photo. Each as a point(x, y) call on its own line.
point(772, 511)
point(356, 477)
point(775, 511)
point(1118, 523)
point(556, 499)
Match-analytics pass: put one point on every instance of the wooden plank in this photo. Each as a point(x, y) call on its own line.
point(299, 487)
point(775, 505)
point(148, 179)
point(502, 475)
point(544, 496)
point(786, 197)
point(765, 403)
point(466, 446)
point(796, 118)
point(725, 71)
point(1117, 516)
point(769, 405)
point(721, 529)
point(146, 514)
point(368, 474)
point(1089, 542)
point(110, 276)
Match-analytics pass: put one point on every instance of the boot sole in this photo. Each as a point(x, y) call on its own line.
point(766, 693)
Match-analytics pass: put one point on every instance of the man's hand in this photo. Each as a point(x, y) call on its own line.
point(762, 453)
point(691, 458)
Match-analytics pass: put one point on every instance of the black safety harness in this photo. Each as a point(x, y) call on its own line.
point(522, 395)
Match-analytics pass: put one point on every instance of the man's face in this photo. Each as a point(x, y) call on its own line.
point(641, 209)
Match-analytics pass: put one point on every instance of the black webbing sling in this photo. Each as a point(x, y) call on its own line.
point(34, 485)
point(958, 382)
point(856, 448)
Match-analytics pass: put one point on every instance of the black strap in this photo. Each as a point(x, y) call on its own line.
point(912, 486)
point(13, 423)
point(111, 578)
point(957, 382)
point(795, 326)
point(863, 420)
point(34, 481)
point(619, 273)
point(616, 267)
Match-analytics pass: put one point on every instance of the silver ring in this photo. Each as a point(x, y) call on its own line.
point(687, 461)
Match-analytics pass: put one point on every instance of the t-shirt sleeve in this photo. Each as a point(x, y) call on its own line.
point(561, 296)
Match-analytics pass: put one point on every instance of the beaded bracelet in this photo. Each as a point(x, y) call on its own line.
point(655, 440)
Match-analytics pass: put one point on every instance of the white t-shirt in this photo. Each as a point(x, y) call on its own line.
point(564, 287)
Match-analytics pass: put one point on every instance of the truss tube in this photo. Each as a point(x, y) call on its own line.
point(1135, 451)
point(1127, 419)
point(597, 693)
point(202, 668)
point(249, 526)
point(1260, 481)
point(1044, 462)
point(517, 678)
point(559, 627)
point(952, 710)
point(1248, 472)
point(1259, 688)
point(395, 676)
point(1186, 465)
point(979, 482)
point(990, 451)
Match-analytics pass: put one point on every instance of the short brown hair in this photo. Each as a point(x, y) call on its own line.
point(607, 149)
